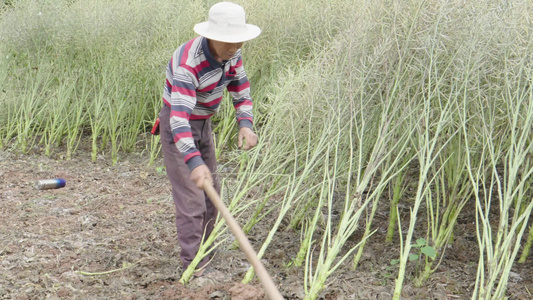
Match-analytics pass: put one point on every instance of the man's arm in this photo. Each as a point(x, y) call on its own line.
point(239, 89)
point(182, 102)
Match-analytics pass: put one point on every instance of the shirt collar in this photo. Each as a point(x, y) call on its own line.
point(210, 58)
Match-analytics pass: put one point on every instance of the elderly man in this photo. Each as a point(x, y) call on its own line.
point(197, 75)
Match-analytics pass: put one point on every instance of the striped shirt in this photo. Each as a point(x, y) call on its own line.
point(194, 88)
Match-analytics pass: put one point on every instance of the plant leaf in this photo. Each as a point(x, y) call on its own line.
point(413, 257)
point(429, 251)
point(421, 242)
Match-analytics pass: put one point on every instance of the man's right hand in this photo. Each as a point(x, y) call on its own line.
point(200, 174)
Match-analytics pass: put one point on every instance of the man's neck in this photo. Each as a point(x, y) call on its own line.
point(213, 52)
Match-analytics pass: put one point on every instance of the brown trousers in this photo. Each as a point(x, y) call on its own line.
point(195, 214)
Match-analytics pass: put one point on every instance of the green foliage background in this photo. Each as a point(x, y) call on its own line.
point(106, 60)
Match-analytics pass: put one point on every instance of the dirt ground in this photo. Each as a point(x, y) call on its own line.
point(120, 219)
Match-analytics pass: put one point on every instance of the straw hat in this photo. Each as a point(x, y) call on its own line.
point(227, 23)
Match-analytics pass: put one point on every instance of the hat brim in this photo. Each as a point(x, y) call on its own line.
point(252, 32)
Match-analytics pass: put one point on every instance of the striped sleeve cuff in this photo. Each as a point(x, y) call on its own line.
point(194, 162)
point(245, 123)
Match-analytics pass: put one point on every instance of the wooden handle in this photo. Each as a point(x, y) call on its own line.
point(268, 285)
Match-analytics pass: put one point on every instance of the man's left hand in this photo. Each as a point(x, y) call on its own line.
point(249, 136)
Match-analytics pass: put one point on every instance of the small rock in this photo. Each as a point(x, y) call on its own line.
point(515, 277)
point(200, 282)
point(219, 295)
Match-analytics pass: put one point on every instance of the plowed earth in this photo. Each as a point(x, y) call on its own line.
point(110, 234)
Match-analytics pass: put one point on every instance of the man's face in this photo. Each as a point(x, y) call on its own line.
point(222, 50)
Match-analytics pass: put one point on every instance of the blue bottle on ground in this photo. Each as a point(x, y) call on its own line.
point(46, 184)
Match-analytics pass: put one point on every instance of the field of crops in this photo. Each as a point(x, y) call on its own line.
point(395, 154)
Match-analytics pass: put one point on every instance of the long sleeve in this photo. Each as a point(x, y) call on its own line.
point(239, 88)
point(182, 103)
